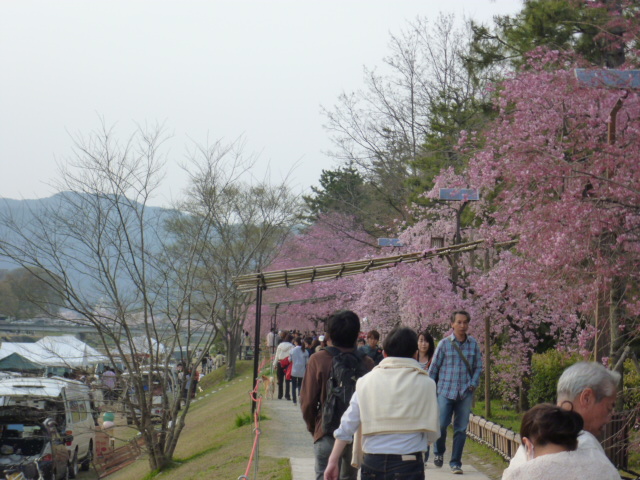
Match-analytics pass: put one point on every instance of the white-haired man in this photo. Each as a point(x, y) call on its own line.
point(589, 389)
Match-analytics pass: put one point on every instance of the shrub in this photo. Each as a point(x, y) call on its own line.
point(546, 369)
point(247, 418)
point(631, 389)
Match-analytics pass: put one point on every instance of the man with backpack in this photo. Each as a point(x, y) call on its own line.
point(390, 431)
point(327, 388)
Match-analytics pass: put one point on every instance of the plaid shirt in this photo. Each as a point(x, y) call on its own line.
point(449, 370)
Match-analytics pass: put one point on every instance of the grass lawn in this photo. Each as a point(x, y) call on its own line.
point(211, 445)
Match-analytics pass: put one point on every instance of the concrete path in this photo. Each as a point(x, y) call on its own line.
point(285, 436)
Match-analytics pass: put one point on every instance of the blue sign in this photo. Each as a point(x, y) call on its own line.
point(461, 194)
point(390, 242)
point(602, 77)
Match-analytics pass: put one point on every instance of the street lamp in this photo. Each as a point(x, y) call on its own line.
point(466, 195)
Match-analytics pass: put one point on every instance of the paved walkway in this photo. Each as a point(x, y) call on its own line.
point(285, 436)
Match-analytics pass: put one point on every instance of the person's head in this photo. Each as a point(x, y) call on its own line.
point(308, 341)
point(460, 323)
point(589, 389)
point(547, 424)
point(343, 328)
point(426, 345)
point(288, 338)
point(373, 337)
point(401, 342)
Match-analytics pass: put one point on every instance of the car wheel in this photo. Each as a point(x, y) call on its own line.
point(86, 463)
point(73, 467)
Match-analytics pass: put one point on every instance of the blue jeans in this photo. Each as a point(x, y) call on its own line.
point(392, 467)
point(322, 450)
point(296, 384)
point(460, 410)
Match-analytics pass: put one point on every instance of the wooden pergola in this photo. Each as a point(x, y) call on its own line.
point(261, 281)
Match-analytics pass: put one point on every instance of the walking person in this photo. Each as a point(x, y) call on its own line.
point(109, 381)
point(299, 359)
point(342, 332)
point(550, 437)
point(371, 348)
point(590, 390)
point(426, 349)
point(390, 431)
point(271, 341)
point(456, 369)
point(281, 363)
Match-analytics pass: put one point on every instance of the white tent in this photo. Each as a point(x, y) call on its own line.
point(56, 351)
point(141, 347)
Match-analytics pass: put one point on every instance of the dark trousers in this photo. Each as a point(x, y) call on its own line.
point(281, 380)
point(391, 467)
point(296, 384)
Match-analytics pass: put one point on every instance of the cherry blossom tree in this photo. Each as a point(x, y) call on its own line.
point(568, 193)
point(334, 238)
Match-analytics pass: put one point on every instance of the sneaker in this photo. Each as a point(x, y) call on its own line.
point(457, 470)
point(438, 460)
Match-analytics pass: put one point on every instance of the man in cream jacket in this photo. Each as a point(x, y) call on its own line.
point(390, 431)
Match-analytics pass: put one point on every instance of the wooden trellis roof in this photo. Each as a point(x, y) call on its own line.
point(319, 273)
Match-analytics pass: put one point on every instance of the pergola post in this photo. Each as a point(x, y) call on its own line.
point(256, 343)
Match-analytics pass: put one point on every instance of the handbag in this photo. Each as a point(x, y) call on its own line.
point(285, 362)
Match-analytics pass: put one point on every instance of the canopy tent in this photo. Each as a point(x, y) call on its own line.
point(17, 363)
point(55, 351)
point(141, 346)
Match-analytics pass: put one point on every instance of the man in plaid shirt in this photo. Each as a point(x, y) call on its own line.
point(456, 368)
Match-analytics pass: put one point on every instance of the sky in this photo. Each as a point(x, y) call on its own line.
point(206, 70)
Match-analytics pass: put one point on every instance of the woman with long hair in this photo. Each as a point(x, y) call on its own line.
point(426, 348)
point(299, 358)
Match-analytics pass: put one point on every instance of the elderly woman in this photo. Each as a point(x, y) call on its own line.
point(550, 439)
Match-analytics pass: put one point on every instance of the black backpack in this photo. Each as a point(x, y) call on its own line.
point(346, 368)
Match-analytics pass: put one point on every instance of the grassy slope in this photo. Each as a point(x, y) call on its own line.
point(211, 446)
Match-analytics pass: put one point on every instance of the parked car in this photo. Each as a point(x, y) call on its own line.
point(32, 445)
point(161, 385)
point(68, 402)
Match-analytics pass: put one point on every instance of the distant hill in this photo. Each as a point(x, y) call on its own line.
point(25, 210)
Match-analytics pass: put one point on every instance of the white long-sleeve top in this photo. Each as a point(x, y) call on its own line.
point(589, 457)
point(282, 352)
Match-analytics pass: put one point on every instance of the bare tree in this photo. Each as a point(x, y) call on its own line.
point(237, 224)
point(114, 266)
point(408, 117)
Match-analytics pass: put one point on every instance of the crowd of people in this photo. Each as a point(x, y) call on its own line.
point(427, 388)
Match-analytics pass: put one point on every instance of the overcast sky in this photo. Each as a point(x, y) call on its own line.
point(206, 69)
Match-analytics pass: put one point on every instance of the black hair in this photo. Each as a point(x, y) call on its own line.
point(460, 312)
point(343, 328)
point(429, 339)
point(401, 342)
point(374, 334)
point(547, 423)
